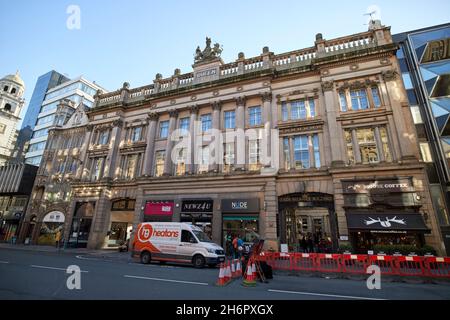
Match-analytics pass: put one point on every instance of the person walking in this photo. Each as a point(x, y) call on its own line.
point(57, 238)
point(310, 244)
point(235, 246)
point(240, 244)
point(304, 245)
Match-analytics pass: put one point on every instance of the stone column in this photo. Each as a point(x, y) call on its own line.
point(335, 130)
point(193, 135)
point(169, 144)
point(216, 126)
point(268, 125)
point(379, 145)
point(100, 222)
point(113, 151)
point(270, 219)
point(150, 139)
point(356, 151)
point(240, 141)
point(138, 214)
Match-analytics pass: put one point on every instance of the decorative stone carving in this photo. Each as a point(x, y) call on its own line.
point(117, 123)
point(158, 76)
point(173, 113)
point(327, 85)
point(240, 101)
point(194, 108)
point(216, 105)
point(389, 75)
point(241, 56)
point(126, 85)
point(266, 96)
point(153, 116)
point(177, 72)
point(208, 53)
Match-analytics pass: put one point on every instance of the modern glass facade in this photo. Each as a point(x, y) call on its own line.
point(424, 58)
point(44, 83)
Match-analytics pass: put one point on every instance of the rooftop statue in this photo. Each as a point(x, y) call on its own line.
point(208, 53)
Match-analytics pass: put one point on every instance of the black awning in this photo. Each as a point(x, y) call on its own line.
point(386, 222)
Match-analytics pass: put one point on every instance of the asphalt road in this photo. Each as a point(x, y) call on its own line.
point(42, 275)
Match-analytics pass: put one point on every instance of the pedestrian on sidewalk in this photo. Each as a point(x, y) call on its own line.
point(57, 239)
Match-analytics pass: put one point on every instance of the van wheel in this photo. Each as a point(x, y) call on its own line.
point(145, 257)
point(198, 261)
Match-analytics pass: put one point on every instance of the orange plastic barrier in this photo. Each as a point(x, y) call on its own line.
point(410, 266)
point(282, 261)
point(386, 263)
point(355, 263)
point(304, 262)
point(328, 262)
point(437, 267)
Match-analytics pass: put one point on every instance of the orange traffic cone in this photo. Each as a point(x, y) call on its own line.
point(249, 280)
point(233, 269)
point(221, 281)
point(227, 272)
point(238, 269)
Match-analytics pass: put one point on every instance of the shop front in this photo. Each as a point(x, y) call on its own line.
point(9, 225)
point(51, 224)
point(198, 212)
point(122, 214)
point(383, 212)
point(158, 211)
point(308, 222)
point(240, 217)
point(81, 224)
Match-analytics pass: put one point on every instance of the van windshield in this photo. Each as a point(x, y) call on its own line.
point(201, 236)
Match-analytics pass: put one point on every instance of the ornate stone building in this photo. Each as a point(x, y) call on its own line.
point(316, 143)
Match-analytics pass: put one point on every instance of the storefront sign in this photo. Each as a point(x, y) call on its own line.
point(123, 205)
point(54, 216)
point(383, 221)
point(343, 238)
point(164, 208)
point(240, 205)
point(197, 206)
point(377, 186)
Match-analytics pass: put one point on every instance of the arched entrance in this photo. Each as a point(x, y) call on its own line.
point(308, 222)
point(81, 224)
point(51, 224)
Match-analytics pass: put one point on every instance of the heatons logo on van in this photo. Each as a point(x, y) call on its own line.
point(146, 232)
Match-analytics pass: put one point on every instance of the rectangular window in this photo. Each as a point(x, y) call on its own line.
point(301, 152)
point(407, 80)
point(159, 163)
point(204, 159)
point(385, 146)
point(349, 145)
point(287, 153)
point(180, 168)
point(343, 101)
point(45, 120)
point(254, 155)
point(228, 158)
point(37, 146)
point(359, 99)
point(36, 134)
point(136, 133)
point(311, 108)
point(97, 169)
point(417, 117)
point(316, 150)
point(425, 152)
point(367, 145)
point(230, 119)
point(163, 129)
point(184, 125)
point(254, 116)
point(131, 166)
point(284, 111)
point(206, 122)
point(298, 110)
point(103, 137)
point(376, 97)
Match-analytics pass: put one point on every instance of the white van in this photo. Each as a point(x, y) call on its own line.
point(175, 242)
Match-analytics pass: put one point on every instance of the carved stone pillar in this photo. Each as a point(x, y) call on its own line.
point(169, 144)
point(240, 149)
point(150, 139)
point(113, 151)
point(193, 135)
point(216, 143)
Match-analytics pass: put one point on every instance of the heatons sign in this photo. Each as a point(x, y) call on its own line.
point(149, 233)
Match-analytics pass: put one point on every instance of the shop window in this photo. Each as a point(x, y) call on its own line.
point(159, 163)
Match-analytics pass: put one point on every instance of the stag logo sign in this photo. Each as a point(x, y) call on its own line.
point(387, 223)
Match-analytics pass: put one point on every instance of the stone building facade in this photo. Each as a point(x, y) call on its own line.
point(316, 143)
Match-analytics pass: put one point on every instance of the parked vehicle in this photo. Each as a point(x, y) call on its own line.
point(175, 242)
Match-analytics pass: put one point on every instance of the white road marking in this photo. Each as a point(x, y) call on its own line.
point(4, 262)
point(166, 280)
point(324, 295)
point(52, 268)
point(84, 258)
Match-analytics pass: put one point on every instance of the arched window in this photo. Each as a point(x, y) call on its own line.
point(13, 90)
point(7, 107)
point(5, 88)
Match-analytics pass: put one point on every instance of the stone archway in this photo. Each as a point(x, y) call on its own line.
point(309, 215)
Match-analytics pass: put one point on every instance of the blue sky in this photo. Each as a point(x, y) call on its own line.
point(133, 40)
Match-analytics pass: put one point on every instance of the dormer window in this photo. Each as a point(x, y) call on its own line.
point(6, 88)
point(13, 90)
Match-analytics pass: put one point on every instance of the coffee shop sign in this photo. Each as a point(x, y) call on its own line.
point(376, 186)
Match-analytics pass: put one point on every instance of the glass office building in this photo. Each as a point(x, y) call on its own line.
point(76, 90)
point(44, 83)
point(424, 57)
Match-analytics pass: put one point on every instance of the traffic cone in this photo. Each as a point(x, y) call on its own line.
point(238, 269)
point(227, 272)
point(249, 280)
point(221, 281)
point(233, 269)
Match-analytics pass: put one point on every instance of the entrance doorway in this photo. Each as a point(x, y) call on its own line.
point(81, 224)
